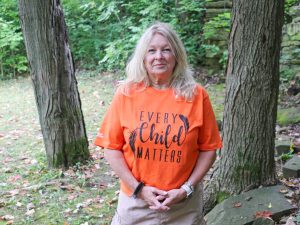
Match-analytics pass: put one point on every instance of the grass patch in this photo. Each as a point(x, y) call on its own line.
point(30, 193)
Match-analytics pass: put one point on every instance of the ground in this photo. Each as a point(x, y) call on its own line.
point(30, 193)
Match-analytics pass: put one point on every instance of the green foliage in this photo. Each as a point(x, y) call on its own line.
point(221, 196)
point(288, 116)
point(286, 75)
point(287, 6)
point(286, 156)
point(12, 51)
point(212, 27)
point(217, 28)
point(103, 33)
point(224, 58)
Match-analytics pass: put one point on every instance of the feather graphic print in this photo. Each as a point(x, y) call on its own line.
point(185, 122)
point(132, 139)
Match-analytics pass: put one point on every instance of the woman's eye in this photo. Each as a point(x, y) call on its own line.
point(151, 50)
point(167, 50)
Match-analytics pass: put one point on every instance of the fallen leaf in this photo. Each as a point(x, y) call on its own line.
point(264, 214)
point(283, 191)
point(30, 206)
point(237, 204)
point(80, 205)
point(68, 210)
point(248, 198)
point(2, 203)
point(289, 195)
point(14, 178)
point(7, 217)
point(114, 200)
point(71, 197)
point(30, 212)
point(270, 205)
point(14, 192)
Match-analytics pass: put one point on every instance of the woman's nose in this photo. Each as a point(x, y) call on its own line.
point(158, 55)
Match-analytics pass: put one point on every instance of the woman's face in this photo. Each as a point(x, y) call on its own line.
point(159, 60)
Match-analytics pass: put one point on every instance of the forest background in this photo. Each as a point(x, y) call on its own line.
point(102, 37)
point(103, 33)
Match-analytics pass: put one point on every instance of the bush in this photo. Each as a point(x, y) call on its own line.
point(12, 50)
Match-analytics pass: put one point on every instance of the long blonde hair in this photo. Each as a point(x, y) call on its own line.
point(182, 81)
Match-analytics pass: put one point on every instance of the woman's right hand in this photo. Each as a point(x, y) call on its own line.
point(152, 196)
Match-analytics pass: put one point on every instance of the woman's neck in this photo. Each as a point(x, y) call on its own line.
point(160, 84)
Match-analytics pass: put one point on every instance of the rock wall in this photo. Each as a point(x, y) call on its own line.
point(212, 59)
point(290, 54)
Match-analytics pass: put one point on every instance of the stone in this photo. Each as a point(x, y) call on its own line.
point(264, 221)
point(282, 147)
point(294, 11)
point(210, 13)
point(220, 4)
point(292, 167)
point(262, 199)
point(288, 116)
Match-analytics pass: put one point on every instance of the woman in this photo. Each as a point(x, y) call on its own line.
point(160, 135)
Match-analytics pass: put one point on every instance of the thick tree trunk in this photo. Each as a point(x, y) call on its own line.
point(247, 159)
point(55, 85)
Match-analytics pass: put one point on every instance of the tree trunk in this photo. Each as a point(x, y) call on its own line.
point(247, 158)
point(55, 85)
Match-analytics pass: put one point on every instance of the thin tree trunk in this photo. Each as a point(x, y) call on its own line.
point(247, 159)
point(55, 85)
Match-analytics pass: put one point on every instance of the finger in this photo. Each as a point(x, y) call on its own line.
point(167, 202)
point(160, 197)
point(160, 208)
point(160, 192)
point(156, 203)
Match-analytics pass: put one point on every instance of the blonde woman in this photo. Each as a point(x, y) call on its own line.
point(160, 135)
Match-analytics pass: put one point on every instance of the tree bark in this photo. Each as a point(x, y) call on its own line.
point(247, 157)
point(55, 85)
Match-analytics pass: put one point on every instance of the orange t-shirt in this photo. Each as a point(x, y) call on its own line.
point(159, 135)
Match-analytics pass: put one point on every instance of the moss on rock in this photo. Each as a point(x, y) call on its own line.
point(288, 116)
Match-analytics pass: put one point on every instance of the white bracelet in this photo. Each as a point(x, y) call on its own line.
point(188, 187)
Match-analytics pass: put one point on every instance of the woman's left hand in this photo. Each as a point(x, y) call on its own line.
point(174, 196)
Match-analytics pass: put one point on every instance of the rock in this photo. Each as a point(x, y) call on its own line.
point(219, 5)
point(292, 167)
point(264, 221)
point(263, 199)
point(290, 221)
point(214, 12)
point(288, 116)
point(282, 147)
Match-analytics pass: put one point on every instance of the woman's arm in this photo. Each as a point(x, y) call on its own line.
point(204, 163)
point(117, 162)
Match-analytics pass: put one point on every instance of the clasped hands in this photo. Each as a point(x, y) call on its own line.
point(160, 200)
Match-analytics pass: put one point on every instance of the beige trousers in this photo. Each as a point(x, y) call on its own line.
point(132, 211)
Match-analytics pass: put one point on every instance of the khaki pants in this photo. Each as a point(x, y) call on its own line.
point(132, 211)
